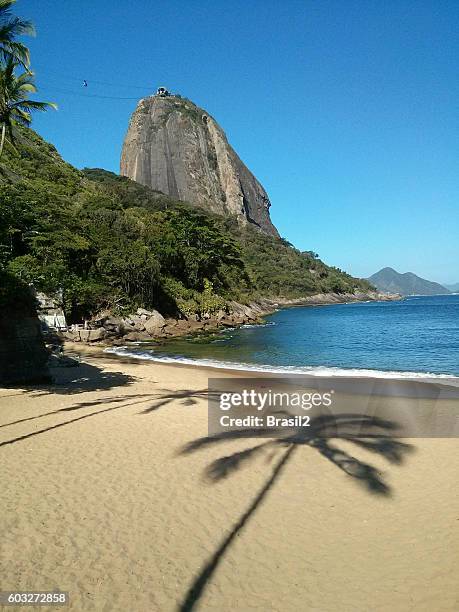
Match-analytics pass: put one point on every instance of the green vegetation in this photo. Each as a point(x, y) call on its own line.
point(110, 243)
point(10, 28)
point(15, 295)
point(277, 269)
point(15, 107)
point(104, 242)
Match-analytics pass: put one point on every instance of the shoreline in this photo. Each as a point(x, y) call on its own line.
point(111, 330)
point(238, 369)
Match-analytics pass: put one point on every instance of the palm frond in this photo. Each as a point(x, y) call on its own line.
point(15, 106)
point(17, 27)
point(23, 117)
point(34, 105)
point(5, 8)
point(27, 79)
point(15, 50)
point(10, 28)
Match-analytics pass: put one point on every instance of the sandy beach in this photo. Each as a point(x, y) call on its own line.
point(103, 496)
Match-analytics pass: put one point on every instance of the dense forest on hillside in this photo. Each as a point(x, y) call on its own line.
point(110, 243)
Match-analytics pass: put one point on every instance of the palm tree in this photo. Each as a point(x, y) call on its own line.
point(10, 28)
point(15, 107)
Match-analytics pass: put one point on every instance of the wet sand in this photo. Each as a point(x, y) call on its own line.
point(103, 496)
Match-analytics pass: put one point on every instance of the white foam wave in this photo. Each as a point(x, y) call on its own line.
point(320, 371)
point(250, 325)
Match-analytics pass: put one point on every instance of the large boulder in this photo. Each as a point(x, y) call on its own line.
point(23, 356)
point(136, 336)
point(92, 335)
point(135, 322)
point(142, 312)
point(155, 324)
point(73, 335)
point(113, 325)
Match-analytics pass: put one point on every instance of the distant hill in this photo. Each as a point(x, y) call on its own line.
point(454, 288)
point(408, 283)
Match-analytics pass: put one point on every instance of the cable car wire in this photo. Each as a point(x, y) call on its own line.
point(87, 95)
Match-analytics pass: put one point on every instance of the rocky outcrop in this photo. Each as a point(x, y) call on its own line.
point(23, 356)
point(155, 323)
point(142, 325)
point(323, 299)
point(176, 147)
point(151, 325)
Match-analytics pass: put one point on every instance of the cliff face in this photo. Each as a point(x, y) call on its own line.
point(175, 147)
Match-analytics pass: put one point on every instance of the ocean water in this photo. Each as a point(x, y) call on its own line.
point(412, 337)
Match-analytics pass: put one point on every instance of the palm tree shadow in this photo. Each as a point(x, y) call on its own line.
point(199, 584)
point(186, 397)
point(368, 432)
point(74, 380)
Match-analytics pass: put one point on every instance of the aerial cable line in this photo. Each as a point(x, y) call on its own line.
point(95, 82)
point(87, 95)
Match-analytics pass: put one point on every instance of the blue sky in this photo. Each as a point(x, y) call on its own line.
point(346, 111)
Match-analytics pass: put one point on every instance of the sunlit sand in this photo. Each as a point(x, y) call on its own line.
point(106, 494)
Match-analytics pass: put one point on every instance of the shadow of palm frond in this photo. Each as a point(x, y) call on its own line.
point(370, 433)
point(365, 431)
point(185, 397)
point(198, 585)
point(82, 378)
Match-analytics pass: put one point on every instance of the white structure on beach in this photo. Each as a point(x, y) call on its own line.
point(50, 312)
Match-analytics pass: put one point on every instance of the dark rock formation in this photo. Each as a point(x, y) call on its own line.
point(23, 356)
point(175, 147)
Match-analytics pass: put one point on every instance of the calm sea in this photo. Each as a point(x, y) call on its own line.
point(416, 335)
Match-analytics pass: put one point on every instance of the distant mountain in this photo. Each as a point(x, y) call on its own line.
point(454, 288)
point(408, 283)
